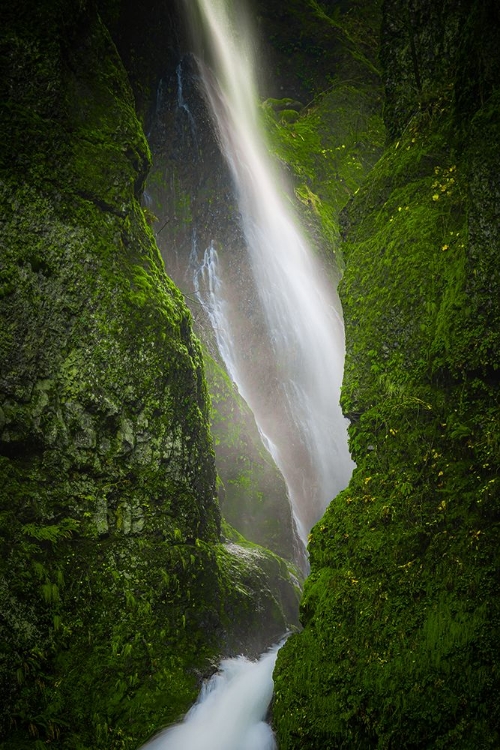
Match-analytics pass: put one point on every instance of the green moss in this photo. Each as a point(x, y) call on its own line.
point(331, 143)
point(252, 492)
point(255, 612)
point(400, 614)
point(330, 146)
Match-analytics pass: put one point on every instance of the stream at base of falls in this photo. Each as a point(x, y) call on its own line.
point(230, 711)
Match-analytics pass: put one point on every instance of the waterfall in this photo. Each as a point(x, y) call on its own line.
point(230, 711)
point(181, 104)
point(207, 285)
point(307, 434)
point(299, 329)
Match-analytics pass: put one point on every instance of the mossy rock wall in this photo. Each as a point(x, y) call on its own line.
point(400, 612)
point(252, 492)
point(116, 591)
point(330, 139)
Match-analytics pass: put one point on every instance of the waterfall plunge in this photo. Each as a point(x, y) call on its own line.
point(230, 711)
point(306, 337)
point(301, 308)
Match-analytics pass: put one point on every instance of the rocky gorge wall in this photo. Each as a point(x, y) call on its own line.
point(118, 588)
point(400, 612)
point(190, 195)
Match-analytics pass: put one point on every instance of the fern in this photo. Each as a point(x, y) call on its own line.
point(54, 533)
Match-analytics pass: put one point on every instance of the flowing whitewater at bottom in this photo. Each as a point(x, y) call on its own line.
point(230, 711)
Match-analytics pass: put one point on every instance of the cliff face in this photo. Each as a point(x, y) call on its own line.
point(116, 590)
point(400, 612)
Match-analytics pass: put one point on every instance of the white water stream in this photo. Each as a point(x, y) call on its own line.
point(230, 711)
point(207, 288)
point(301, 307)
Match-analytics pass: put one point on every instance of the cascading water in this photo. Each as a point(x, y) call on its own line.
point(207, 287)
point(302, 310)
point(230, 711)
point(181, 104)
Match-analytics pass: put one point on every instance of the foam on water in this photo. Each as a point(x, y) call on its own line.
point(230, 711)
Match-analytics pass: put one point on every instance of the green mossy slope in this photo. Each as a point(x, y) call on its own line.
point(333, 138)
point(330, 146)
point(400, 612)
